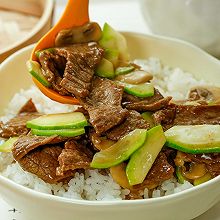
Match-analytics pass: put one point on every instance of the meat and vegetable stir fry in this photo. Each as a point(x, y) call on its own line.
point(124, 125)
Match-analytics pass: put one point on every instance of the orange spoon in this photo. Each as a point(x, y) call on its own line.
point(75, 14)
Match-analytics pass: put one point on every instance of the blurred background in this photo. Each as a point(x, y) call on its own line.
point(23, 22)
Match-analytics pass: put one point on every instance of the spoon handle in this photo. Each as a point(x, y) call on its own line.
point(76, 13)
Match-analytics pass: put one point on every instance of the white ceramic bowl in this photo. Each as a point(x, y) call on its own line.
point(196, 21)
point(182, 206)
point(41, 28)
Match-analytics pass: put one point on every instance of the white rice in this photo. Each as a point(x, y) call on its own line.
point(93, 185)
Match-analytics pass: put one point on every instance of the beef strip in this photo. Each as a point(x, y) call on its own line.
point(159, 172)
point(17, 125)
point(29, 106)
point(153, 103)
point(74, 156)
point(43, 162)
point(71, 69)
point(211, 161)
point(133, 121)
point(104, 105)
point(25, 144)
point(52, 68)
point(188, 115)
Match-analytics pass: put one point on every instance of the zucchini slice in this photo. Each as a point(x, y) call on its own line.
point(62, 132)
point(194, 139)
point(141, 90)
point(58, 121)
point(34, 69)
point(105, 69)
point(124, 70)
point(142, 160)
point(120, 151)
point(8, 145)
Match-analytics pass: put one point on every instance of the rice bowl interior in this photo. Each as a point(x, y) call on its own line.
point(210, 65)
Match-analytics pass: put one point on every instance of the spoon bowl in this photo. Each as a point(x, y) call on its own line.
point(75, 14)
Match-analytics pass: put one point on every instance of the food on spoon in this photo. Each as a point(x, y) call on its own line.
point(34, 69)
point(105, 69)
point(88, 32)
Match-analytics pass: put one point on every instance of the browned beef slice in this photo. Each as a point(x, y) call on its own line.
point(165, 117)
point(52, 68)
point(212, 161)
point(74, 156)
point(28, 107)
point(104, 105)
point(17, 125)
point(133, 121)
point(153, 103)
point(188, 115)
point(159, 172)
point(43, 162)
point(25, 144)
point(81, 60)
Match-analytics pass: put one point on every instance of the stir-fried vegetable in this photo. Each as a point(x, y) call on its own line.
point(105, 69)
point(194, 139)
point(148, 117)
point(124, 70)
point(120, 151)
point(8, 145)
point(34, 69)
point(142, 160)
point(58, 121)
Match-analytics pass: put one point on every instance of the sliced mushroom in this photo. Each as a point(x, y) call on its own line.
point(205, 93)
point(135, 77)
point(82, 34)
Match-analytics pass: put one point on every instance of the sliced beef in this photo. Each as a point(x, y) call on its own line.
point(133, 121)
point(43, 162)
point(211, 161)
point(159, 172)
point(188, 115)
point(104, 105)
point(53, 68)
point(71, 69)
point(17, 125)
point(74, 156)
point(153, 103)
point(29, 106)
point(25, 144)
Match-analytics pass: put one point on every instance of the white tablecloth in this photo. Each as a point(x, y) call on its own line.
point(124, 15)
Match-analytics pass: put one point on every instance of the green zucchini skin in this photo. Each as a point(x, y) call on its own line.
point(58, 121)
point(34, 69)
point(194, 139)
point(120, 151)
point(61, 132)
point(8, 145)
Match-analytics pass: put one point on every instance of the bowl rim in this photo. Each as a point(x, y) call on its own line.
point(47, 11)
point(40, 195)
